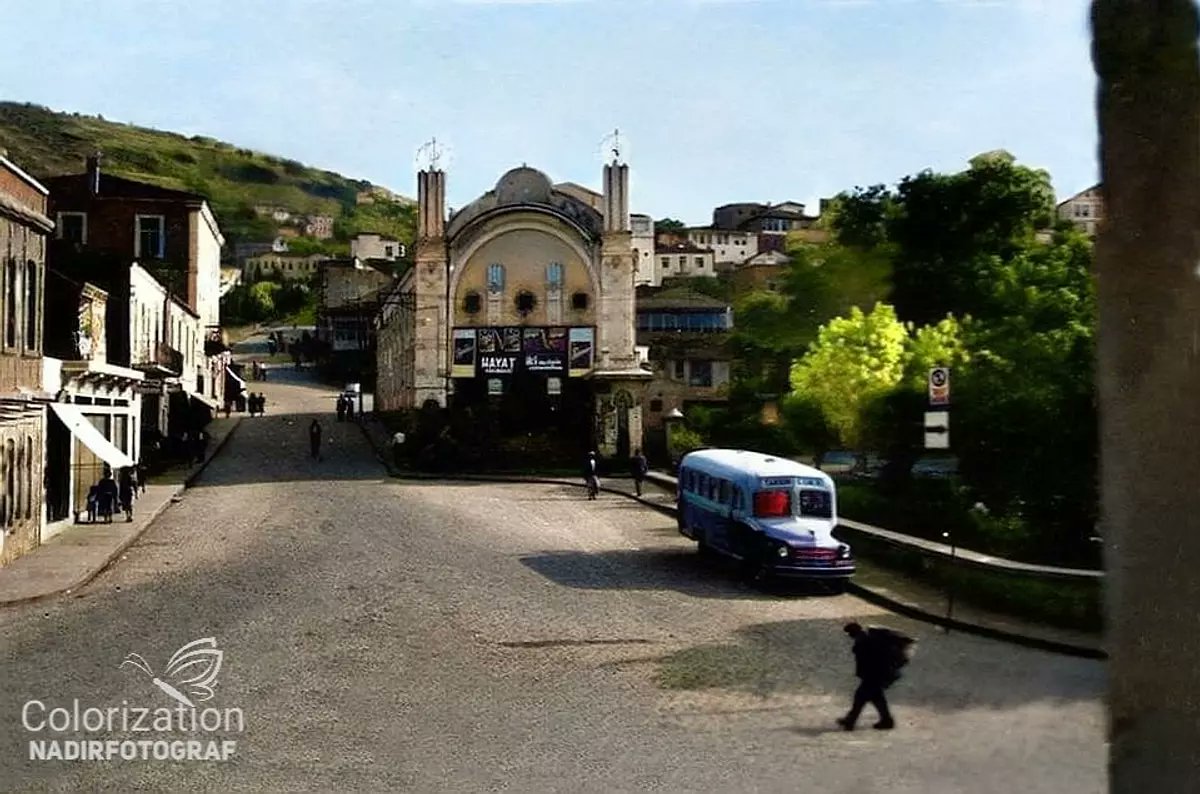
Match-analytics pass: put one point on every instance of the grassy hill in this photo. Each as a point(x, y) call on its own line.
point(46, 143)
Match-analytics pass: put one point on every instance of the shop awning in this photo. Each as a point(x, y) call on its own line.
point(204, 400)
point(93, 439)
point(236, 378)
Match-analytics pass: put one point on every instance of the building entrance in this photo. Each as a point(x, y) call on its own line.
point(525, 414)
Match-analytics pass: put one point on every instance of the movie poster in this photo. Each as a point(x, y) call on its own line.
point(464, 353)
point(582, 344)
point(545, 350)
point(490, 341)
point(510, 340)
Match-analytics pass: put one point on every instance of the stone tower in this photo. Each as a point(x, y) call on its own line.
point(430, 312)
point(618, 378)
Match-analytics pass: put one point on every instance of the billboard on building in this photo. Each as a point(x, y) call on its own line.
point(582, 345)
point(464, 353)
point(551, 351)
point(545, 350)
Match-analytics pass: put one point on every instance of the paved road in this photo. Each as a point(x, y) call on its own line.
point(382, 635)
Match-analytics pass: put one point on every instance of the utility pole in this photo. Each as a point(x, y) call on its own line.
point(1148, 289)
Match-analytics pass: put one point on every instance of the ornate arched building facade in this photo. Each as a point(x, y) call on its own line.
point(519, 311)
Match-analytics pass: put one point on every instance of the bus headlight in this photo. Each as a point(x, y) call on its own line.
point(782, 551)
point(843, 552)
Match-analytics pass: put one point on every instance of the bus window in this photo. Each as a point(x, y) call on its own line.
point(815, 503)
point(724, 492)
point(714, 489)
point(772, 504)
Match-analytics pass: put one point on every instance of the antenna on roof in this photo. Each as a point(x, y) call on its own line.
point(432, 155)
point(614, 146)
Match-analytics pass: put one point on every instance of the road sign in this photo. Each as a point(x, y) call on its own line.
point(939, 386)
point(937, 430)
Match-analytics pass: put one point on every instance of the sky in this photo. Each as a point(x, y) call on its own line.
point(716, 101)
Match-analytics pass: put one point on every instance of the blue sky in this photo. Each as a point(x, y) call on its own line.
point(717, 100)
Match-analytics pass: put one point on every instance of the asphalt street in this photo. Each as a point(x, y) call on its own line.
point(383, 635)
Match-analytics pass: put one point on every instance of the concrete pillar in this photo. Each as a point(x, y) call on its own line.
point(431, 312)
point(1148, 265)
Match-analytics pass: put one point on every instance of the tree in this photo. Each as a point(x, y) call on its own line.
point(669, 225)
point(948, 228)
point(855, 360)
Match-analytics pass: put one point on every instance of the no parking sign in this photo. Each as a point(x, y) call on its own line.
point(939, 386)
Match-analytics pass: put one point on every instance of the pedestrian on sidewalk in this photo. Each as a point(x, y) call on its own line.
point(202, 439)
point(314, 439)
point(93, 503)
point(638, 467)
point(142, 476)
point(879, 654)
point(349, 410)
point(125, 488)
point(341, 407)
point(591, 475)
point(106, 496)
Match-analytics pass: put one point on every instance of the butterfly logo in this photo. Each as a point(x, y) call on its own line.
point(193, 668)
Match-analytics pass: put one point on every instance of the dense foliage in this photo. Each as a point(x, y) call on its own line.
point(965, 270)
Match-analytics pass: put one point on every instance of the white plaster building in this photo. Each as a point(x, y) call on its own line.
point(1085, 210)
point(684, 260)
point(369, 245)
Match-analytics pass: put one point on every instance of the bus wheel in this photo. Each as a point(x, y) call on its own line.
point(837, 586)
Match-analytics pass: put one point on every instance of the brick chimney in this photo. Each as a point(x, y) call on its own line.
point(93, 173)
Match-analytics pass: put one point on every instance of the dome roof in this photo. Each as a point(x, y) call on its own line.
point(524, 185)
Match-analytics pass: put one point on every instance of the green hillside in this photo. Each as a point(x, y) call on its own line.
point(46, 143)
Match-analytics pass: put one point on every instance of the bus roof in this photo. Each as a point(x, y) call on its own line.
point(753, 463)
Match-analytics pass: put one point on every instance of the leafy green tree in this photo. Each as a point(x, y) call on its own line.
point(948, 229)
point(669, 225)
point(855, 360)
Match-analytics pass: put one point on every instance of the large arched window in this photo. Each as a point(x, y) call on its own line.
point(10, 482)
point(29, 476)
point(495, 278)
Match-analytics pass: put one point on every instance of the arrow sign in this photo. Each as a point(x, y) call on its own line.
point(937, 430)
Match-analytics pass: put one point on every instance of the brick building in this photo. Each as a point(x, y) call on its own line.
point(24, 226)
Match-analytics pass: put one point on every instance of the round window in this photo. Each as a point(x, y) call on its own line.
point(525, 302)
point(472, 303)
point(579, 301)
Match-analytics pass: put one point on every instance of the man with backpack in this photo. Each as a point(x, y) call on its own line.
point(879, 654)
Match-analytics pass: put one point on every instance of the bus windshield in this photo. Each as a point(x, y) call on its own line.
point(815, 504)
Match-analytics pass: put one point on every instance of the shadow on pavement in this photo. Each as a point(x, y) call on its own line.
point(680, 570)
point(813, 657)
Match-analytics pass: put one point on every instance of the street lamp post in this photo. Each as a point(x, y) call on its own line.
point(950, 582)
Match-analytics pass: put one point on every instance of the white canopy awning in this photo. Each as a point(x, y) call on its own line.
point(93, 439)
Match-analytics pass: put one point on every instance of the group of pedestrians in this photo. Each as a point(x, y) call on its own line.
point(345, 408)
point(639, 467)
point(256, 404)
point(110, 495)
point(258, 371)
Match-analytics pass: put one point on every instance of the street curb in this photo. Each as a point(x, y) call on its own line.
point(917, 613)
point(92, 573)
point(873, 596)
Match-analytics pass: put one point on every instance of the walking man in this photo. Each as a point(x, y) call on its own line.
point(591, 475)
point(878, 656)
point(341, 407)
point(314, 439)
point(638, 467)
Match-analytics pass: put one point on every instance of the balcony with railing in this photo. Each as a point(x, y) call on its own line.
point(159, 360)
